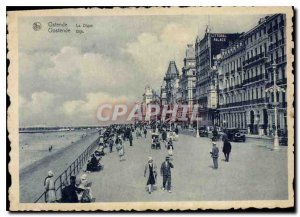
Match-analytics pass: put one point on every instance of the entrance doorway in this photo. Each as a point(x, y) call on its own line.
point(252, 122)
point(265, 126)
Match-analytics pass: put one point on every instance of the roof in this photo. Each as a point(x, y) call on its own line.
point(172, 69)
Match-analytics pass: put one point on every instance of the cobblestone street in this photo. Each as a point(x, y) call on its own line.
point(254, 172)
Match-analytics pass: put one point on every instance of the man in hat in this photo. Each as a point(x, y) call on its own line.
point(215, 155)
point(165, 171)
point(69, 193)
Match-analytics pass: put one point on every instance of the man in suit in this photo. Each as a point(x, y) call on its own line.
point(165, 171)
point(215, 155)
point(226, 149)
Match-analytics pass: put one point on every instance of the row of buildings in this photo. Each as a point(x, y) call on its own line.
point(230, 77)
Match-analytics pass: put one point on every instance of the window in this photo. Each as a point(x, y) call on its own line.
point(248, 95)
point(260, 49)
point(283, 97)
point(261, 69)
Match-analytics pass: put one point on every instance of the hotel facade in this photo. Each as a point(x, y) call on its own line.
point(246, 74)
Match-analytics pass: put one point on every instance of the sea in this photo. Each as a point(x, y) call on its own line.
point(34, 146)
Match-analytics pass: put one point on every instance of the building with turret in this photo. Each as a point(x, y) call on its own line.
point(170, 85)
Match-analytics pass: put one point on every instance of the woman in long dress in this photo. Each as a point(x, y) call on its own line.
point(170, 147)
point(121, 150)
point(50, 188)
point(151, 173)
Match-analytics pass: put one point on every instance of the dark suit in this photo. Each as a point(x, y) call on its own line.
point(165, 171)
point(69, 195)
point(226, 149)
point(215, 154)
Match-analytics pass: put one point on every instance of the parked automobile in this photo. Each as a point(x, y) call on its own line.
point(283, 140)
point(235, 135)
point(203, 132)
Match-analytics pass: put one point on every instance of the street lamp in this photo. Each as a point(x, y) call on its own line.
point(197, 131)
point(275, 89)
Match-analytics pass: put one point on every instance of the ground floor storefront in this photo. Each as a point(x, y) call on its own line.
point(254, 119)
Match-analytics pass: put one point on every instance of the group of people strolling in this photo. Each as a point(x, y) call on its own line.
point(150, 173)
point(215, 152)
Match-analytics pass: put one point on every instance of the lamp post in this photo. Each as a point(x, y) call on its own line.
point(275, 89)
point(197, 131)
point(276, 140)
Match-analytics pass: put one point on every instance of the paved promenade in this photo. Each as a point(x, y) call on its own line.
point(254, 172)
point(32, 177)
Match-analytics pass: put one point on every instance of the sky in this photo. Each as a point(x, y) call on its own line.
point(64, 77)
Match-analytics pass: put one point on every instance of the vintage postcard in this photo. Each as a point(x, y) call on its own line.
point(151, 108)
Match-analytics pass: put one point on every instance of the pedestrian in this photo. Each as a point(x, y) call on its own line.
point(151, 173)
point(226, 149)
point(121, 150)
point(164, 137)
point(145, 132)
point(170, 147)
point(215, 155)
point(50, 188)
point(130, 137)
point(110, 143)
point(86, 196)
point(69, 193)
point(165, 171)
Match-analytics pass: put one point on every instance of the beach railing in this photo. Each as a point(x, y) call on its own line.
point(72, 170)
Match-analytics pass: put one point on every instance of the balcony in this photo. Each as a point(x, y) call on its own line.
point(237, 86)
point(253, 79)
point(244, 103)
point(278, 82)
point(255, 59)
point(281, 59)
point(276, 44)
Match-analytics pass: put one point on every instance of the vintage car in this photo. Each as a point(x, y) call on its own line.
point(203, 132)
point(235, 135)
point(283, 140)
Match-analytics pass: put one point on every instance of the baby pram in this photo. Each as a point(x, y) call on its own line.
point(155, 141)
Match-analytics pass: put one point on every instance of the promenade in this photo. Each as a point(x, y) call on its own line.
point(254, 172)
